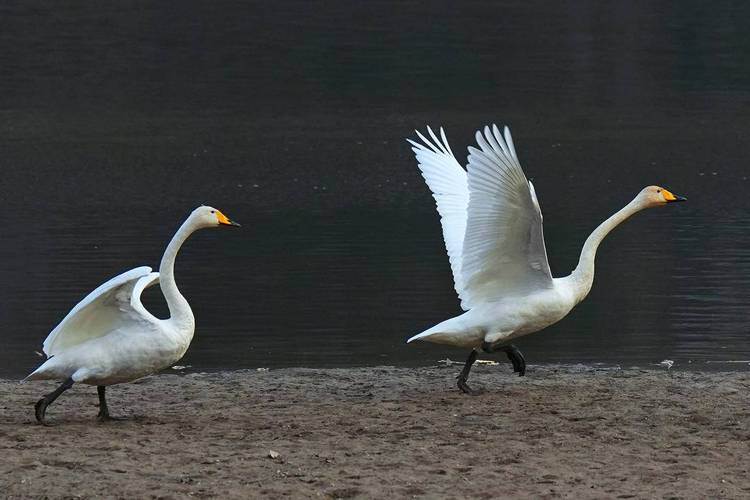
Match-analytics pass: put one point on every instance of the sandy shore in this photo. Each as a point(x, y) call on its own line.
point(387, 432)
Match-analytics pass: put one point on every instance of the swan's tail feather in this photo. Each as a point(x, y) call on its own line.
point(452, 331)
point(46, 371)
point(430, 331)
point(35, 375)
point(415, 337)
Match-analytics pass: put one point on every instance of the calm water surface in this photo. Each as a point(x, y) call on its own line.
point(115, 121)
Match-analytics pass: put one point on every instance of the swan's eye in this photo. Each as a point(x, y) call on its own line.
point(213, 211)
point(658, 190)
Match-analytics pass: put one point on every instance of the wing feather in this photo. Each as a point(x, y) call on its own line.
point(135, 297)
point(503, 250)
point(447, 180)
point(100, 312)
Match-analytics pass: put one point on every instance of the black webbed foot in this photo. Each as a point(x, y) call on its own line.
point(465, 387)
point(464, 375)
point(104, 415)
point(109, 418)
point(515, 357)
point(40, 408)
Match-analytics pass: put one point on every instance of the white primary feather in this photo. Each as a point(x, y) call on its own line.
point(104, 310)
point(447, 180)
point(503, 252)
point(492, 223)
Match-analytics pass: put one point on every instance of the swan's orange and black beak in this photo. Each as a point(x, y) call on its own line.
point(223, 219)
point(671, 197)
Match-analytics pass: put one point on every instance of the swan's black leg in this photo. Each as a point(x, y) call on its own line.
point(464, 375)
point(41, 406)
point(103, 409)
point(514, 355)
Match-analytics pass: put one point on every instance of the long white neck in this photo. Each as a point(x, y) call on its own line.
point(582, 276)
point(179, 309)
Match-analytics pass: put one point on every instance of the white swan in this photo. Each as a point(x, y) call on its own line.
point(110, 337)
point(492, 226)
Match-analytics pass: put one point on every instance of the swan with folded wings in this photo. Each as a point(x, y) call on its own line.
point(110, 338)
point(492, 226)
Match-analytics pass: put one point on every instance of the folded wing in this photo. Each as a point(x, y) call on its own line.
point(503, 249)
point(110, 306)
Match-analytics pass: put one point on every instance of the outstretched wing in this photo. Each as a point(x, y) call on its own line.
point(447, 181)
point(503, 251)
point(108, 307)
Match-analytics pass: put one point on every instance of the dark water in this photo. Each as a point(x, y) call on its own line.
point(117, 119)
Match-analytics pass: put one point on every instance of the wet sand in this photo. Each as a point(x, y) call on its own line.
point(386, 433)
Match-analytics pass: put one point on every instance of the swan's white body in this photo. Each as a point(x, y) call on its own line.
point(503, 320)
point(492, 226)
point(110, 337)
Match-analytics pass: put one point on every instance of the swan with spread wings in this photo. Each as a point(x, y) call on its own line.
point(492, 226)
point(110, 338)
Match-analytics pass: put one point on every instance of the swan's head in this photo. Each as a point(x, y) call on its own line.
point(205, 216)
point(653, 196)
